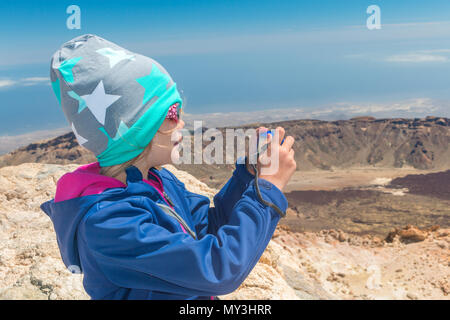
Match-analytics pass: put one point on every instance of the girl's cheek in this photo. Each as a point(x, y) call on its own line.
point(170, 142)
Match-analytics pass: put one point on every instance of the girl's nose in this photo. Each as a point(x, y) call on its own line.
point(181, 124)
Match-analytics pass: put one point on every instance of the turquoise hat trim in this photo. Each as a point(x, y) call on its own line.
point(138, 136)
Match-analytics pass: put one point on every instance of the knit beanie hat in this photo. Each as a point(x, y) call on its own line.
point(115, 100)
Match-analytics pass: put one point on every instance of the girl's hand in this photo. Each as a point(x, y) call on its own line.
point(285, 158)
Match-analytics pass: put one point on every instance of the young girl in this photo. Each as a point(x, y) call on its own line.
point(127, 224)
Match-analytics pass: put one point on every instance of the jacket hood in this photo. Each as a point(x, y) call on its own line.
point(76, 193)
point(85, 180)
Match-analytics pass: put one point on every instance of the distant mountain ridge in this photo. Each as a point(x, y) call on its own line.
point(363, 141)
point(366, 141)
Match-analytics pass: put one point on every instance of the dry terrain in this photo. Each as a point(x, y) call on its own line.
point(368, 216)
point(368, 201)
point(329, 264)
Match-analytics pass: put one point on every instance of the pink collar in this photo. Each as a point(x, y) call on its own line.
point(87, 180)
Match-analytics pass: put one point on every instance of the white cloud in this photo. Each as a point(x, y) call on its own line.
point(4, 83)
point(436, 51)
point(32, 81)
point(36, 79)
point(24, 82)
point(417, 58)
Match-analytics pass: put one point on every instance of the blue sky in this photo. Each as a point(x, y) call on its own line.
point(237, 55)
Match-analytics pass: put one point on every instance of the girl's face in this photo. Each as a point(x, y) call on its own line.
point(165, 141)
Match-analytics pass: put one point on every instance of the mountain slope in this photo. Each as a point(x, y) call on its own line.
point(359, 142)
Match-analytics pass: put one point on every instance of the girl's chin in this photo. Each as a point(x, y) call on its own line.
point(175, 154)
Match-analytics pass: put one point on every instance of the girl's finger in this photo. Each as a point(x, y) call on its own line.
point(288, 143)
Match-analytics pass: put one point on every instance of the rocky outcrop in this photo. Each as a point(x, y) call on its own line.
point(410, 233)
point(30, 263)
point(330, 264)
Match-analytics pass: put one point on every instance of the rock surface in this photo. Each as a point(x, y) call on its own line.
point(329, 264)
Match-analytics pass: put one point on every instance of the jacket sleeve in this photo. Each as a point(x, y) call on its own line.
point(208, 219)
point(134, 252)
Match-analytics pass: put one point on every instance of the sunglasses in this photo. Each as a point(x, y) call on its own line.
point(174, 112)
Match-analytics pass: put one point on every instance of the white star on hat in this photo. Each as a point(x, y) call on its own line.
point(115, 56)
point(76, 44)
point(81, 140)
point(98, 101)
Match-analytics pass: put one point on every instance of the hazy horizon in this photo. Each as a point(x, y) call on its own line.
point(412, 109)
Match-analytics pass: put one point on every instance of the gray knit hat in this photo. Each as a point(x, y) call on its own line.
point(115, 100)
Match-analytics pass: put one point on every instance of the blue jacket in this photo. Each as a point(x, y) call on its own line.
point(129, 245)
